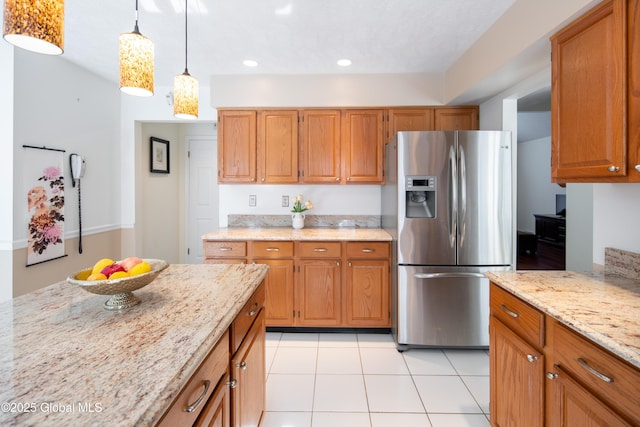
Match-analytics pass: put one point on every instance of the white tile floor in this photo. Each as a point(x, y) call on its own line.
point(361, 380)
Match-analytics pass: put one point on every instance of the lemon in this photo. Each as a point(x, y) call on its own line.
point(140, 268)
point(98, 266)
point(97, 276)
point(118, 275)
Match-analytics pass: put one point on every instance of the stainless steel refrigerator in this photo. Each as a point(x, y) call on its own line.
point(447, 202)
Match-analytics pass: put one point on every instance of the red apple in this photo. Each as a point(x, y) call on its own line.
point(110, 269)
point(129, 263)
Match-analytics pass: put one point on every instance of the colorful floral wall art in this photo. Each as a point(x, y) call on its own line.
point(44, 181)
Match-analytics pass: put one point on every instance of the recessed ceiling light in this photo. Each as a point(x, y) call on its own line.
point(250, 63)
point(344, 62)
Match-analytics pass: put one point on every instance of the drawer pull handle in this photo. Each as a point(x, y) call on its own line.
point(195, 404)
point(320, 249)
point(273, 249)
point(254, 310)
point(368, 251)
point(232, 384)
point(225, 248)
point(242, 365)
point(552, 376)
point(509, 312)
point(600, 375)
point(531, 358)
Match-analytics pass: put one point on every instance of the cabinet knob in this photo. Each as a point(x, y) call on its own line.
point(531, 358)
point(613, 168)
point(637, 167)
point(232, 384)
point(337, 178)
point(242, 365)
point(552, 376)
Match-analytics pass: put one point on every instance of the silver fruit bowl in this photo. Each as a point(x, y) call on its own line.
point(119, 289)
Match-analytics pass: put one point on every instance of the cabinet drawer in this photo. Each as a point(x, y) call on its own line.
point(246, 316)
point(522, 318)
point(200, 387)
point(367, 250)
point(225, 249)
point(608, 377)
point(320, 250)
point(270, 249)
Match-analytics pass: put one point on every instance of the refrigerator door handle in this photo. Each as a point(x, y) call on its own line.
point(443, 275)
point(462, 227)
point(453, 195)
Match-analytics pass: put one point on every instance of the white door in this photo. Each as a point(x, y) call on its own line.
point(202, 193)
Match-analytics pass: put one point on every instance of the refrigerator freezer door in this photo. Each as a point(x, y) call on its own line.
point(442, 307)
point(427, 241)
point(484, 198)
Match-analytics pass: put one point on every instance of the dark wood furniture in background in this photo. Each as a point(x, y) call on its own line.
point(551, 229)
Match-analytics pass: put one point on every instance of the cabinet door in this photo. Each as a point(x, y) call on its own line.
point(367, 293)
point(588, 102)
point(278, 146)
point(517, 379)
point(458, 118)
point(573, 405)
point(318, 299)
point(248, 371)
point(321, 146)
point(633, 92)
point(410, 120)
point(363, 146)
point(279, 292)
point(236, 146)
point(217, 411)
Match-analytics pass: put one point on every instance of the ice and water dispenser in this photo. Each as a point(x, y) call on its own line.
point(420, 195)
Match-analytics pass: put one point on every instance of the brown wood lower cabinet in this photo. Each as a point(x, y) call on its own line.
point(228, 388)
point(544, 373)
point(324, 284)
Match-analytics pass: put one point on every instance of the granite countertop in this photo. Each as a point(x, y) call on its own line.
point(288, 233)
point(603, 307)
point(68, 361)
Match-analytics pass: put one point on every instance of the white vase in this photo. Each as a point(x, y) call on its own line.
point(298, 220)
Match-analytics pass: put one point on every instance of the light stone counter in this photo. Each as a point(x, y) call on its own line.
point(268, 233)
point(604, 308)
point(62, 355)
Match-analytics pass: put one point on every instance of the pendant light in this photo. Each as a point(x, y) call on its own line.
point(136, 62)
point(185, 87)
point(37, 26)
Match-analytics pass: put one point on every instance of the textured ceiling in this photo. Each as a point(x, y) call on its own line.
point(284, 36)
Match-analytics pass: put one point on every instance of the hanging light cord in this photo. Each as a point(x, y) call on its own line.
point(186, 70)
point(135, 28)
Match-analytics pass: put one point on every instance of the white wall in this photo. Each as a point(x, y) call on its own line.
point(327, 199)
point(615, 218)
point(6, 170)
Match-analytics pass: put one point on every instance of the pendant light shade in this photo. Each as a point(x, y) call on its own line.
point(185, 96)
point(185, 86)
point(35, 25)
point(136, 62)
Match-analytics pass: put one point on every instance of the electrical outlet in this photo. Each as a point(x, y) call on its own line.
point(285, 201)
point(253, 200)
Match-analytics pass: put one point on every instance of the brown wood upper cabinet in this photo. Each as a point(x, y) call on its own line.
point(320, 146)
point(278, 146)
point(363, 145)
point(237, 155)
point(595, 98)
point(456, 118)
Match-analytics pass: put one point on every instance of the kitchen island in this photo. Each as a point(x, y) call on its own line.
point(67, 361)
point(564, 347)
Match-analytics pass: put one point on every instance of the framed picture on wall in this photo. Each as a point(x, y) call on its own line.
point(159, 155)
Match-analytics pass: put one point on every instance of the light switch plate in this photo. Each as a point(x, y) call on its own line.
point(253, 200)
point(285, 201)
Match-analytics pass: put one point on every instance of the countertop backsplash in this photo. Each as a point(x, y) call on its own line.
point(622, 263)
point(311, 221)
